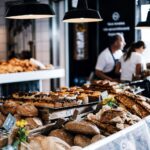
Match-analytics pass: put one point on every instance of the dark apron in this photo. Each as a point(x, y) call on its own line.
point(112, 73)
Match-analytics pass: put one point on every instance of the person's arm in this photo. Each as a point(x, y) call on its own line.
point(139, 65)
point(118, 68)
point(137, 75)
point(138, 69)
point(102, 76)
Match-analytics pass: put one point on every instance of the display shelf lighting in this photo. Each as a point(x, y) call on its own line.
point(29, 9)
point(82, 14)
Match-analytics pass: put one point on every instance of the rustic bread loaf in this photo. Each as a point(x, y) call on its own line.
point(62, 134)
point(81, 140)
point(33, 123)
point(27, 110)
point(82, 127)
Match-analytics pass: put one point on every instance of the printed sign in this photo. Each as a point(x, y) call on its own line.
point(116, 19)
point(9, 122)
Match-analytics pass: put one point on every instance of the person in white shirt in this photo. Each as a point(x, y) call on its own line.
point(132, 63)
point(107, 59)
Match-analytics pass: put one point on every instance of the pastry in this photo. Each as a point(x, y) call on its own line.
point(84, 98)
point(94, 96)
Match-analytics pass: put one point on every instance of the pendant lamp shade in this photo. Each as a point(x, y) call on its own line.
point(144, 24)
point(82, 14)
point(29, 9)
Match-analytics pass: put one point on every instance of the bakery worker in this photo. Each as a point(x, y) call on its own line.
point(107, 59)
point(132, 63)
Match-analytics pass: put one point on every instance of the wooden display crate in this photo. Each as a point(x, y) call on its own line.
point(52, 114)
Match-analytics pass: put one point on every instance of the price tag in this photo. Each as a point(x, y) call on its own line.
point(104, 94)
point(98, 107)
point(68, 112)
point(100, 98)
point(9, 122)
point(59, 123)
point(75, 114)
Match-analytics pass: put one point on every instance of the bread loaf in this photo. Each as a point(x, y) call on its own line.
point(33, 123)
point(48, 143)
point(97, 138)
point(35, 142)
point(82, 127)
point(81, 140)
point(9, 107)
point(27, 110)
point(62, 134)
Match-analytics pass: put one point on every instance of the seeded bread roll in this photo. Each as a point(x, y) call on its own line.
point(27, 110)
point(82, 127)
point(81, 140)
point(64, 135)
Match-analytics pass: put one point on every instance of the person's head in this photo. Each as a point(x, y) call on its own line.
point(139, 47)
point(135, 47)
point(117, 41)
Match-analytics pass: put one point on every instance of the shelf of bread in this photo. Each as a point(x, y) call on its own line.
point(16, 65)
point(117, 115)
point(17, 70)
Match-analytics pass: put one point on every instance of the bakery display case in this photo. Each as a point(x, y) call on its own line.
point(91, 118)
point(134, 137)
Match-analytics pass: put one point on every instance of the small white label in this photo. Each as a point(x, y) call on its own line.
point(104, 94)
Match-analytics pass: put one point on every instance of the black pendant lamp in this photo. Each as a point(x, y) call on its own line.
point(144, 24)
point(82, 14)
point(29, 9)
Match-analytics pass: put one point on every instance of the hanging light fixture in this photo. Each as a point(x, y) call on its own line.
point(144, 24)
point(29, 9)
point(82, 14)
